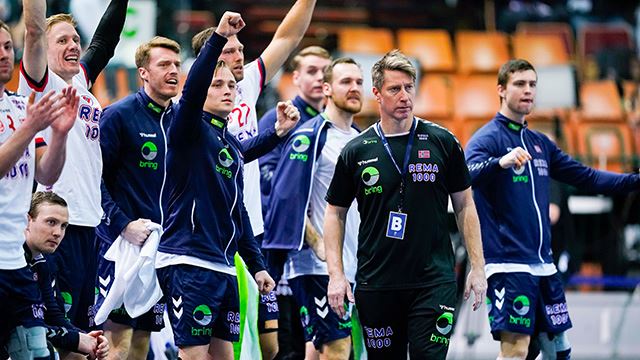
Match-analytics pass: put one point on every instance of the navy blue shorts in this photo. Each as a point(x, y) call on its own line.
point(152, 320)
point(267, 311)
point(526, 304)
point(21, 301)
point(76, 261)
point(201, 304)
point(321, 325)
point(423, 318)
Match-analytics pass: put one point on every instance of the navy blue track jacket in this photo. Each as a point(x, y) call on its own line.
point(513, 204)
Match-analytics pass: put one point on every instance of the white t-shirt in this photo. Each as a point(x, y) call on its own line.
point(15, 187)
point(243, 124)
point(79, 182)
point(305, 262)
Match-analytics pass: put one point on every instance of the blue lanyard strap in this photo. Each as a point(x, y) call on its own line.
point(407, 156)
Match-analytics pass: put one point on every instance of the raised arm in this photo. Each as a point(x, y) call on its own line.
point(105, 39)
point(50, 159)
point(257, 146)
point(34, 59)
point(185, 127)
point(287, 36)
point(469, 226)
point(334, 222)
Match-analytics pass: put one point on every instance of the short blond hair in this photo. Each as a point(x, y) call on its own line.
point(59, 18)
point(309, 51)
point(143, 51)
point(4, 26)
point(198, 40)
point(394, 60)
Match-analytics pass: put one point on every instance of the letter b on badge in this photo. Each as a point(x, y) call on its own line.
point(396, 225)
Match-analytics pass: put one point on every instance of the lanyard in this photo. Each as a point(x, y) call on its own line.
point(405, 163)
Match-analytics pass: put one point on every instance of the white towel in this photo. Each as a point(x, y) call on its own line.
point(135, 283)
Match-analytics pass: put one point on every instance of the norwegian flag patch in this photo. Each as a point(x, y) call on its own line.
point(424, 154)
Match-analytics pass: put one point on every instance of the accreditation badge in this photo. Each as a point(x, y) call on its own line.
point(396, 225)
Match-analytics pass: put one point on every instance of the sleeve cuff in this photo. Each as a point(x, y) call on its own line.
point(119, 222)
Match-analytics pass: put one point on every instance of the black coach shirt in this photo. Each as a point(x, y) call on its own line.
point(424, 257)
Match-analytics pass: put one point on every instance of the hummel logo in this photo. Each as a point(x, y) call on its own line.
point(177, 306)
point(499, 298)
point(104, 281)
point(321, 306)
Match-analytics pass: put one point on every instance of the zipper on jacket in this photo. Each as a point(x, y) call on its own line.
point(533, 194)
point(193, 211)
point(164, 171)
point(235, 201)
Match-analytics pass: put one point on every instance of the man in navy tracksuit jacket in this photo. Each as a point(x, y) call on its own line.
point(308, 72)
point(134, 166)
point(269, 162)
point(511, 168)
point(207, 221)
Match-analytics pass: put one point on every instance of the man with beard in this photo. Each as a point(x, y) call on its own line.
point(511, 169)
point(296, 209)
point(133, 152)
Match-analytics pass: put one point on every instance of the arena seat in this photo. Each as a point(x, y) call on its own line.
point(540, 50)
point(600, 101)
point(432, 48)
point(481, 52)
point(559, 29)
point(605, 145)
point(434, 98)
point(365, 40)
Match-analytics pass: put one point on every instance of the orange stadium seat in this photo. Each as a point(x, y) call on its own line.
point(475, 97)
point(481, 52)
point(434, 98)
point(432, 48)
point(122, 83)
point(559, 29)
point(99, 90)
point(605, 145)
point(365, 40)
point(468, 128)
point(540, 50)
point(600, 101)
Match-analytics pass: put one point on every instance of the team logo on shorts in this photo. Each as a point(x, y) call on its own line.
point(521, 305)
point(202, 315)
point(444, 324)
